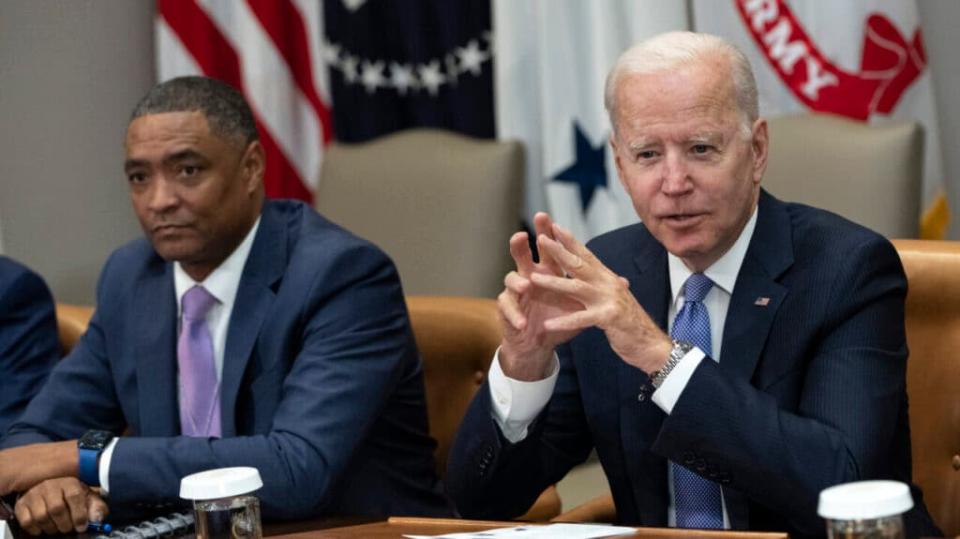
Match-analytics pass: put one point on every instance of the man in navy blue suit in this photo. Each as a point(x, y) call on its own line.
point(239, 332)
point(785, 373)
point(29, 347)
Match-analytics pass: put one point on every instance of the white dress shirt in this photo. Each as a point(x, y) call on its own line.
point(222, 283)
point(516, 403)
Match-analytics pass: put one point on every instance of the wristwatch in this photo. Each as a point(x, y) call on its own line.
point(680, 349)
point(90, 445)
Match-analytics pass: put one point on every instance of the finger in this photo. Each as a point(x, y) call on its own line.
point(39, 521)
point(516, 283)
point(569, 322)
point(543, 224)
point(567, 262)
point(574, 288)
point(97, 509)
point(24, 516)
point(510, 312)
point(570, 243)
point(75, 495)
point(520, 251)
point(57, 511)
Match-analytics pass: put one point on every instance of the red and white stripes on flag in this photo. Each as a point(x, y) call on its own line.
point(269, 50)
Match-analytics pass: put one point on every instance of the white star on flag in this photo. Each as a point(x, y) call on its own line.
point(372, 76)
point(471, 57)
point(430, 76)
point(402, 77)
point(349, 67)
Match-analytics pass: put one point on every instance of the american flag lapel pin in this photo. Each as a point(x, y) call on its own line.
point(762, 301)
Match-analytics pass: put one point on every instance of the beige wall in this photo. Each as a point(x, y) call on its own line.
point(70, 71)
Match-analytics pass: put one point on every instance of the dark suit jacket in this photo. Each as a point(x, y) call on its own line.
point(29, 346)
point(810, 391)
point(322, 388)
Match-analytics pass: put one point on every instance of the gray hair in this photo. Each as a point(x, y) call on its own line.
point(672, 49)
point(227, 112)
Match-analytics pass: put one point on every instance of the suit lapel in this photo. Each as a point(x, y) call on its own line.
point(263, 269)
point(753, 306)
point(640, 418)
point(154, 330)
point(757, 295)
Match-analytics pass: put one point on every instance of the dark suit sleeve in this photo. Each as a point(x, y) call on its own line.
point(489, 477)
point(29, 347)
point(78, 396)
point(355, 343)
point(850, 400)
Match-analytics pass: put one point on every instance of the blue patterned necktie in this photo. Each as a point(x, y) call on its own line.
point(696, 500)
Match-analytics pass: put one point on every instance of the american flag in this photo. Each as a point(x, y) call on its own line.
point(270, 50)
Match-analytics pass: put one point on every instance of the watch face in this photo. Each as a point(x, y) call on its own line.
point(95, 439)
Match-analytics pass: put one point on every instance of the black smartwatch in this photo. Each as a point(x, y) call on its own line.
point(90, 445)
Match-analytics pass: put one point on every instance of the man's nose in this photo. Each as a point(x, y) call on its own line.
point(676, 178)
point(163, 195)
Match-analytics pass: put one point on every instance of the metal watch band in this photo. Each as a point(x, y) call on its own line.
point(680, 349)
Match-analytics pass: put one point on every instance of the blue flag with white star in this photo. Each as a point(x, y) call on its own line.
point(397, 64)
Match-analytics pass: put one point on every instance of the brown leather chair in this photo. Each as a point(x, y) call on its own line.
point(933, 373)
point(72, 321)
point(933, 376)
point(457, 337)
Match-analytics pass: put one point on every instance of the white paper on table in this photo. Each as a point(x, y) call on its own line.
point(550, 531)
point(5, 532)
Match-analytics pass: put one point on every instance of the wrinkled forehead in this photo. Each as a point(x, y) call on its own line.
point(674, 106)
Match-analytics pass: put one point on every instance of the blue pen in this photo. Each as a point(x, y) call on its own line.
point(99, 527)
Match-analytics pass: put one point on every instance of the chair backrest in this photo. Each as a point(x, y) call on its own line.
point(72, 321)
point(457, 337)
point(869, 174)
point(442, 205)
point(933, 373)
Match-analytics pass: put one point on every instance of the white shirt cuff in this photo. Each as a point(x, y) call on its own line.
point(669, 392)
point(517, 403)
point(104, 468)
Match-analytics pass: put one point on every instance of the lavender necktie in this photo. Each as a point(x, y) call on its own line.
point(199, 389)
point(696, 500)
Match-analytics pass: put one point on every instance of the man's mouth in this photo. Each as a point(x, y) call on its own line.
point(167, 227)
point(683, 219)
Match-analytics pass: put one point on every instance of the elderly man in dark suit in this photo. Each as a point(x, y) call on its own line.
point(728, 358)
point(238, 333)
point(29, 347)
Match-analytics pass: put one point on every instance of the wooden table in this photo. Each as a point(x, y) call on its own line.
point(396, 527)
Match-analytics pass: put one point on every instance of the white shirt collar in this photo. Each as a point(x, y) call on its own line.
point(224, 281)
point(723, 272)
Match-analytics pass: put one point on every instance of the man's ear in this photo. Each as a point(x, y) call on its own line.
point(254, 164)
point(760, 146)
point(617, 162)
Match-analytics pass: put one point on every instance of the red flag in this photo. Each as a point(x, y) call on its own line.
point(269, 50)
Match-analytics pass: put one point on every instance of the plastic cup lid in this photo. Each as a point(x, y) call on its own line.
point(220, 483)
point(865, 500)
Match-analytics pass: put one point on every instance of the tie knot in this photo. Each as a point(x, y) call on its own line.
point(697, 287)
point(197, 303)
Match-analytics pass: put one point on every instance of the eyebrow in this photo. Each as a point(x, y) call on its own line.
point(182, 155)
point(709, 136)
